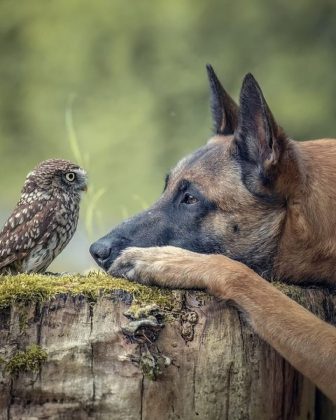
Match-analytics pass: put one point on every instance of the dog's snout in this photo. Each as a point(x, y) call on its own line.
point(101, 253)
point(143, 230)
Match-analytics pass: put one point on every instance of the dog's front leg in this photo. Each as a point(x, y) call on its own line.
point(177, 268)
point(308, 343)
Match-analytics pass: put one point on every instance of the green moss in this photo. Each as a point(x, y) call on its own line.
point(26, 361)
point(26, 288)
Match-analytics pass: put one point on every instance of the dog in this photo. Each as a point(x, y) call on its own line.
point(250, 206)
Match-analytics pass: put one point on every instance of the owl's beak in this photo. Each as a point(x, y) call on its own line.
point(82, 180)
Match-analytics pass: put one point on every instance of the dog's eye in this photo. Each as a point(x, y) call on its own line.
point(189, 199)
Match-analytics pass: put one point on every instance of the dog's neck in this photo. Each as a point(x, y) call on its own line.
point(307, 246)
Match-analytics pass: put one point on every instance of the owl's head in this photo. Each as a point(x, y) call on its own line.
point(56, 175)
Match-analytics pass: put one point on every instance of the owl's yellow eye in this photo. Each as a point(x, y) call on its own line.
point(70, 176)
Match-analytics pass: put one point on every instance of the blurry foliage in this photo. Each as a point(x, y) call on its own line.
point(92, 210)
point(137, 72)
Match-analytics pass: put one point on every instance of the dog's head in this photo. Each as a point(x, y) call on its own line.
point(228, 197)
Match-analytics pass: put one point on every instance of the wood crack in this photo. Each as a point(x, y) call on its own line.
point(11, 396)
point(92, 355)
point(142, 389)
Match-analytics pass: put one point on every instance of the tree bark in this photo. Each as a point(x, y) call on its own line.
point(199, 361)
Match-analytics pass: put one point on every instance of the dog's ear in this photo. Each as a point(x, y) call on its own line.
point(223, 107)
point(259, 139)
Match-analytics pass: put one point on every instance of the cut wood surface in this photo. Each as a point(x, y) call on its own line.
point(73, 352)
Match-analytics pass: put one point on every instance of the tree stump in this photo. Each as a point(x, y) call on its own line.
point(108, 358)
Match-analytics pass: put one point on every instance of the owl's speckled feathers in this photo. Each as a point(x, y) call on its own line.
point(45, 218)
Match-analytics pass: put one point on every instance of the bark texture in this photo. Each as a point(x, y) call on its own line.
point(207, 362)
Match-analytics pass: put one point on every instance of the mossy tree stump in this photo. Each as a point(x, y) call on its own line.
point(103, 348)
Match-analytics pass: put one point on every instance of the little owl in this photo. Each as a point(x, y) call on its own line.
point(45, 218)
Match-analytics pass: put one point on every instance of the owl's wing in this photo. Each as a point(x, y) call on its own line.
point(22, 213)
point(26, 226)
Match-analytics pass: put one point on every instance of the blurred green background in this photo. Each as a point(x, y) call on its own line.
point(132, 74)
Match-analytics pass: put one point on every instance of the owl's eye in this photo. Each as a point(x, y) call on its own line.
point(70, 176)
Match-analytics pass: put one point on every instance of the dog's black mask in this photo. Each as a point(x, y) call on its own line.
point(172, 221)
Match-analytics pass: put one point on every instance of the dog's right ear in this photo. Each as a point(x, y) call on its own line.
point(260, 139)
point(223, 107)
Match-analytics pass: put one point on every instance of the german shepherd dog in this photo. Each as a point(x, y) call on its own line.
point(248, 206)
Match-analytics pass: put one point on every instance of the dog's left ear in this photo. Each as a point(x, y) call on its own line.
point(223, 107)
point(259, 139)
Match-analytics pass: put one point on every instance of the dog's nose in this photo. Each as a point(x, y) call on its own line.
point(101, 253)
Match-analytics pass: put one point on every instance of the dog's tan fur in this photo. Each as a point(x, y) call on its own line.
point(305, 252)
point(308, 244)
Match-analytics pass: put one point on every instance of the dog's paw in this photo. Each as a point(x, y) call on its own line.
point(133, 264)
point(164, 266)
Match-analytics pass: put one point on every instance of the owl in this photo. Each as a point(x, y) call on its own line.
point(45, 218)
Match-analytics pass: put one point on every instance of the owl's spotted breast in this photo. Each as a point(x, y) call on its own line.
point(61, 228)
